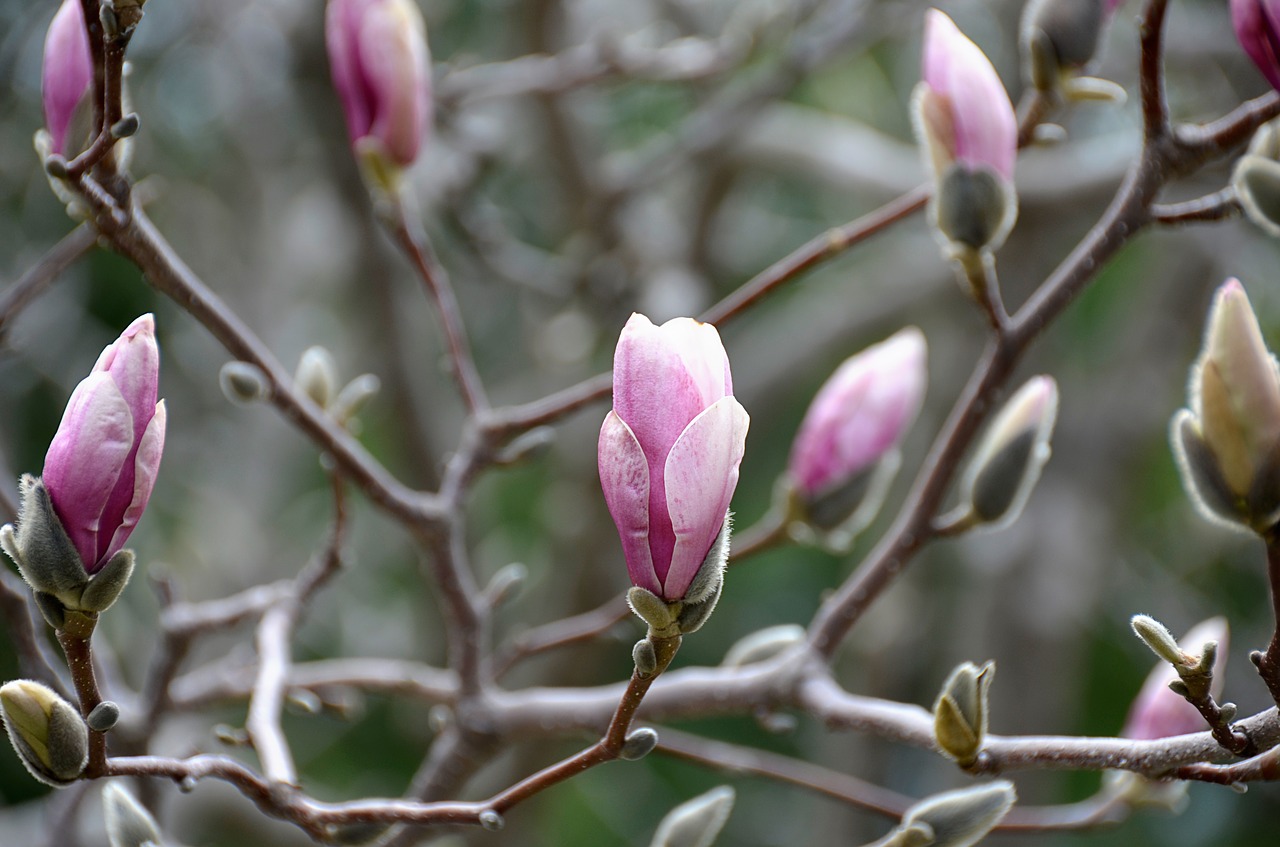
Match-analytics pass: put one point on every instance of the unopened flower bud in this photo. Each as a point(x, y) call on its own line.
point(1157, 636)
point(47, 732)
point(639, 744)
point(1228, 442)
point(129, 824)
point(317, 376)
point(852, 431)
point(98, 476)
point(1257, 26)
point(668, 456)
point(963, 817)
point(1007, 463)
point(1256, 181)
point(763, 644)
point(68, 71)
point(696, 823)
point(1059, 37)
point(960, 713)
point(381, 69)
point(966, 125)
point(1157, 711)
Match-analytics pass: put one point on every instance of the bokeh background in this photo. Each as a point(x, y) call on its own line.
point(676, 148)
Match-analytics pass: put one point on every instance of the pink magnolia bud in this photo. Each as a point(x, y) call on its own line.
point(1257, 25)
point(966, 125)
point(102, 463)
point(859, 414)
point(1157, 712)
point(1228, 444)
point(670, 449)
point(68, 70)
point(966, 113)
point(379, 59)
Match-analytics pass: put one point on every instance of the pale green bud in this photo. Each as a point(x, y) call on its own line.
point(697, 822)
point(47, 732)
point(962, 818)
point(960, 712)
point(1007, 463)
point(243, 382)
point(129, 824)
point(763, 644)
point(317, 376)
point(1157, 637)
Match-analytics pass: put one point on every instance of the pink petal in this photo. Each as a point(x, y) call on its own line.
point(624, 478)
point(701, 474)
point(146, 468)
point(85, 460)
point(68, 70)
point(393, 54)
point(342, 27)
point(1256, 23)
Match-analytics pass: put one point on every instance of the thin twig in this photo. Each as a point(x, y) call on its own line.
point(1210, 208)
point(41, 275)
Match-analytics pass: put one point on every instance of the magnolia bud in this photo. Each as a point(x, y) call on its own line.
point(960, 713)
point(1007, 462)
point(129, 824)
point(104, 716)
point(68, 71)
point(1256, 181)
point(696, 823)
point(47, 732)
point(852, 430)
point(243, 382)
point(639, 744)
point(764, 644)
point(1228, 442)
point(966, 125)
point(1158, 712)
point(962, 818)
point(1257, 26)
point(1156, 636)
point(317, 376)
point(1059, 37)
point(381, 69)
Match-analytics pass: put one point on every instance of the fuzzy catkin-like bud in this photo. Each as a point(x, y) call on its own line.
point(960, 712)
point(129, 824)
point(1228, 441)
point(1007, 462)
point(1158, 712)
point(46, 731)
point(697, 822)
point(962, 818)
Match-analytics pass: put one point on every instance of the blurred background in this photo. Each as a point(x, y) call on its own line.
point(673, 149)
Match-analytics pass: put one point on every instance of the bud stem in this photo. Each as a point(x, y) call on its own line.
point(75, 640)
point(1268, 663)
point(979, 270)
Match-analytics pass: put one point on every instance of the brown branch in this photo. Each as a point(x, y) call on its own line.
point(42, 274)
point(1268, 663)
point(1211, 208)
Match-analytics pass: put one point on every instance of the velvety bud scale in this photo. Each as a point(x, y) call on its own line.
point(669, 453)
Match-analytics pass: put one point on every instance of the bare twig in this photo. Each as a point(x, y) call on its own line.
point(41, 275)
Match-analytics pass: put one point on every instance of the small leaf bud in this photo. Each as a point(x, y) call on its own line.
point(491, 821)
point(645, 657)
point(354, 396)
point(504, 585)
point(697, 822)
point(639, 744)
point(243, 383)
point(1157, 637)
point(317, 376)
point(960, 712)
point(964, 817)
point(104, 716)
point(126, 127)
point(47, 732)
point(129, 824)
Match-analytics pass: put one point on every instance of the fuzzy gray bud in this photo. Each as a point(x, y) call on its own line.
point(639, 744)
point(129, 824)
point(243, 383)
point(962, 818)
point(960, 713)
point(697, 822)
point(317, 376)
point(47, 732)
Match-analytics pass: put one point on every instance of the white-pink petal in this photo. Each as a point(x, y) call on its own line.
point(624, 478)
